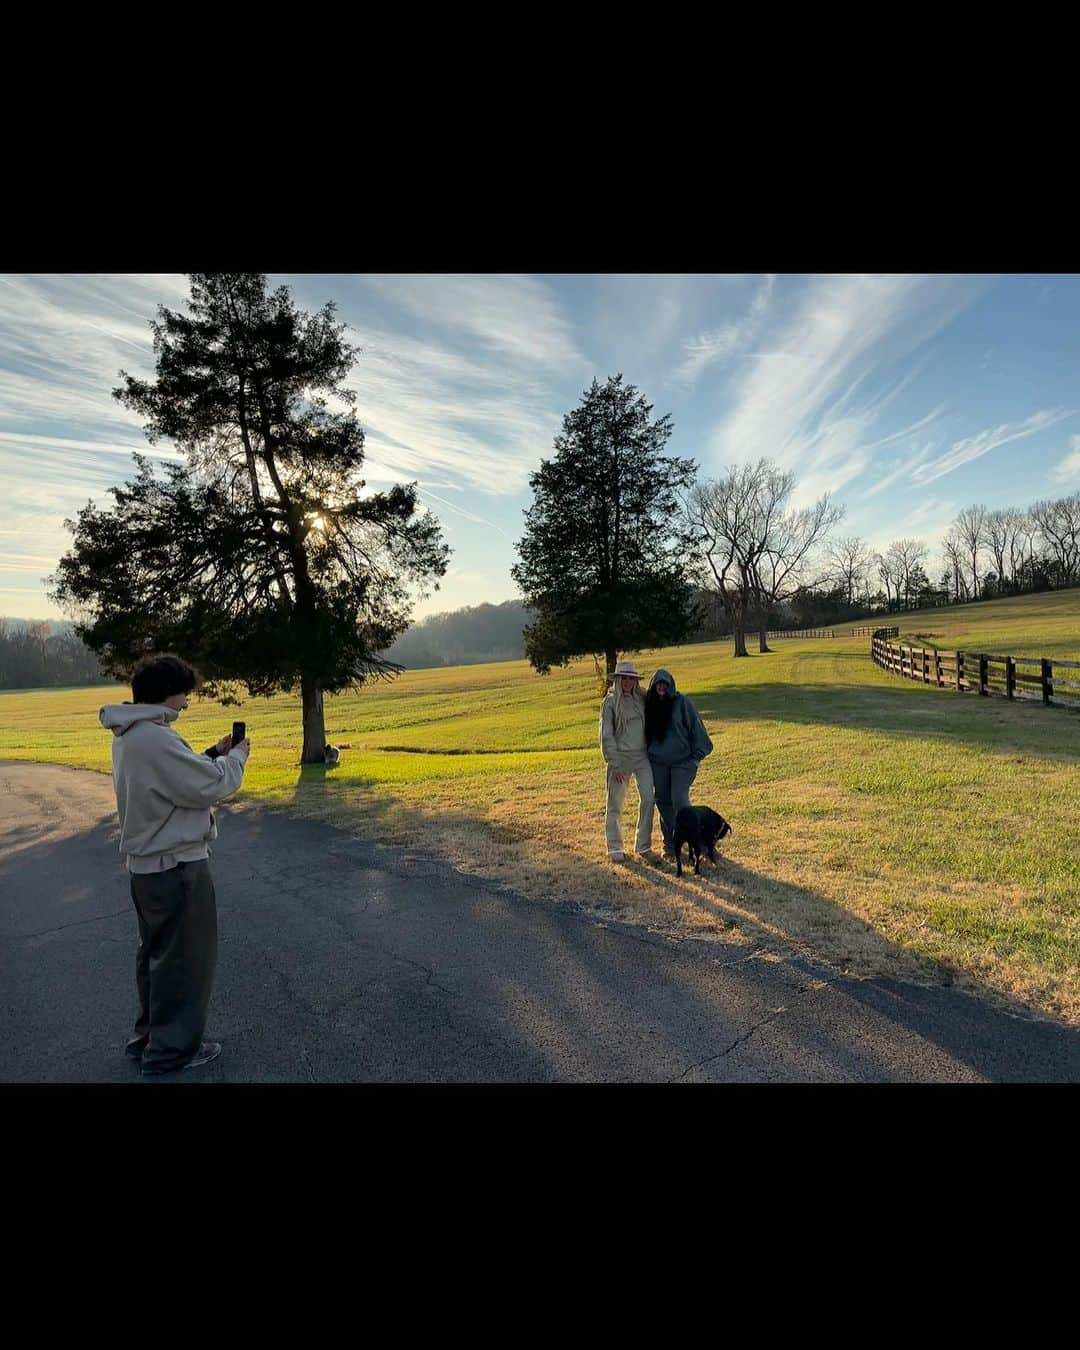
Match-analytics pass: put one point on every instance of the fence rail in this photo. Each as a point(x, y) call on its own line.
point(986, 673)
point(802, 632)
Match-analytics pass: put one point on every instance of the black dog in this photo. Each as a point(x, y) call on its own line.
point(698, 827)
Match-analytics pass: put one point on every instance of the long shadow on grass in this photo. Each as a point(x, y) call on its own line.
point(907, 710)
point(566, 991)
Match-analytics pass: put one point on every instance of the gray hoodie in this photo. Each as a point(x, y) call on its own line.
point(624, 750)
point(686, 737)
point(164, 789)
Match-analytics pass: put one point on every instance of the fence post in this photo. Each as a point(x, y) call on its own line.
point(959, 672)
point(937, 668)
point(1047, 681)
point(983, 664)
point(1010, 677)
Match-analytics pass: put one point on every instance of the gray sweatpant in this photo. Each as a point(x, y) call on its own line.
point(672, 783)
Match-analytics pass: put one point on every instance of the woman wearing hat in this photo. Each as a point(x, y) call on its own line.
point(622, 740)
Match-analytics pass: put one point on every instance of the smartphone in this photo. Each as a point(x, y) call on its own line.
point(239, 731)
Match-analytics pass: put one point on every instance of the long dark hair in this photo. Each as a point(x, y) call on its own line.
point(657, 716)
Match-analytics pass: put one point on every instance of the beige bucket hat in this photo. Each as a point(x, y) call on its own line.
point(627, 668)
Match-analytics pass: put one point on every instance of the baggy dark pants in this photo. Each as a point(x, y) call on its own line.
point(176, 960)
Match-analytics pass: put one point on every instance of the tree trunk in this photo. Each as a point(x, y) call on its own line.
point(763, 628)
point(610, 657)
point(314, 723)
point(740, 641)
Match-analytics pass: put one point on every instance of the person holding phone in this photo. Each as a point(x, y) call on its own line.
point(164, 794)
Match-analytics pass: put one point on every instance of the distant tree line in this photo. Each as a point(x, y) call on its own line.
point(39, 654)
point(464, 637)
point(984, 554)
point(1009, 552)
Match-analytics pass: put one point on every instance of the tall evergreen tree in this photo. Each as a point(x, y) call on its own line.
point(262, 559)
point(602, 561)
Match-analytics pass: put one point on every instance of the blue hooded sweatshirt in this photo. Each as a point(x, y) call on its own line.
point(686, 737)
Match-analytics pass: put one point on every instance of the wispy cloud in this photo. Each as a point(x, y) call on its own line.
point(816, 412)
point(720, 343)
point(974, 447)
point(927, 519)
point(427, 411)
point(467, 406)
point(64, 346)
point(513, 317)
point(1068, 469)
point(898, 470)
point(460, 511)
point(27, 440)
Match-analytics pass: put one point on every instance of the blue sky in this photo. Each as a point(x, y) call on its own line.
point(907, 396)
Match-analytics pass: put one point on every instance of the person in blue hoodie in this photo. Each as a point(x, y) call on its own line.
point(677, 742)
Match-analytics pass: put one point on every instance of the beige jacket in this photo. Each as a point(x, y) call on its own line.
point(624, 752)
point(164, 789)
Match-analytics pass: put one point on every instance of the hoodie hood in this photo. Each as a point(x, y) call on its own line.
point(668, 679)
point(121, 717)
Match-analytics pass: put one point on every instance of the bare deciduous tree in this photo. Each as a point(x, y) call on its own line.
point(903, 557)
point(1001, 530)
point(970, 525)
point(787, 540)
point(750, 549)
point(720, 511)
point(888, 572)
point(1059, 525)
point(849, 561)
point(1022, 550)
point(953, 549)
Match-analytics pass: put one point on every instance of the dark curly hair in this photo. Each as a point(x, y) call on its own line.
point(157, 678)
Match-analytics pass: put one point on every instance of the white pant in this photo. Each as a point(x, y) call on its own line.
point(616, 796)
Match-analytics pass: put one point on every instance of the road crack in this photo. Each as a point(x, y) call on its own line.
point(810, 988)
point(77, 923)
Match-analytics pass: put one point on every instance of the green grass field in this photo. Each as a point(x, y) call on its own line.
point(880, 825)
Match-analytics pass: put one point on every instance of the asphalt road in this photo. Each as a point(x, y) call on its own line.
point(345, 962)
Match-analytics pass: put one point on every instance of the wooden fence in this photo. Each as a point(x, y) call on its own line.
point(988, 674)
point(875, 631)
point(802, 632)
